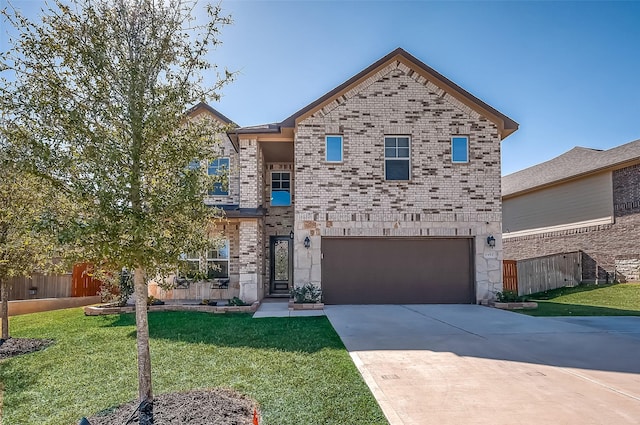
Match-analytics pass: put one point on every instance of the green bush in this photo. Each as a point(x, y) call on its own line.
point(309, 293)
point(507, 296)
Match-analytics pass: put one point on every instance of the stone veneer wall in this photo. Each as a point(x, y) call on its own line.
point(278, 220)
point(608, 249)
point(441, 199)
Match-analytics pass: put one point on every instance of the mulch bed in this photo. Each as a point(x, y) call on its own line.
point(17, 346)
point(199, 407)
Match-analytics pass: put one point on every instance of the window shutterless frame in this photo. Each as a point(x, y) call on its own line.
point(280, 188)
point(460, 149)
point(397, 158)
point(219, 258)
point(217, 167)
point(333, 148)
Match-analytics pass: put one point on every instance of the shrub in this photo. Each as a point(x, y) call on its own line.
point(235, 301)
point(308, 293)
point(507, 296)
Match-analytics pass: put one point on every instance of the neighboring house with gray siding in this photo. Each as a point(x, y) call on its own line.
point(384, 190)
point(585, 199)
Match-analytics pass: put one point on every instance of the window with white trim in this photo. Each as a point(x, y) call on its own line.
point(191, 264)
point(280, 189)
point(333, 148)
point(459, 149)
point(397, 158)
point(219, 168)
point(218, 262)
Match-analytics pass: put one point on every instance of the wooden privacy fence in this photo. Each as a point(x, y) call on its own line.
point(83, 284)
point(75, 284)
point(548, 272)
point(40, 286)
point(510, 275)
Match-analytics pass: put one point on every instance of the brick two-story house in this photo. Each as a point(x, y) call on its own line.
point(384, 190)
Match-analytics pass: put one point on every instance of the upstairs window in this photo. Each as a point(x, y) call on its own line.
point(396, 158)
point(219, 167)
point(333, 148)
point(218, 262)
point(460, 149)
point(280, 189)
point(194, 164)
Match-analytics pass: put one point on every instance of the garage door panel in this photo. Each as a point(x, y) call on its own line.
point(396, 271)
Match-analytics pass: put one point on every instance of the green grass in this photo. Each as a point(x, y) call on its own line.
point(588, 300)
point(297, 369)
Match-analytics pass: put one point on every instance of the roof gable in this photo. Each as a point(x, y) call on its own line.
point(425, 75)
point(572, 164)
point(200, 107)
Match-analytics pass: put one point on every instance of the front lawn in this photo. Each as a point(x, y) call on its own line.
point(297, 369)
point(621, 299)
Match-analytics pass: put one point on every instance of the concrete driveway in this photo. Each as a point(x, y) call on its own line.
point(467, 364)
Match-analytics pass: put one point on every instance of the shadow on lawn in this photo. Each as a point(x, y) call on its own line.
point(305, 334)
point(567, 290)
point(548, 308)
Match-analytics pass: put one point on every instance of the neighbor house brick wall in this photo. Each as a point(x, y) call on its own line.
point(626, 191)
point(601, 245)
point(441, 199)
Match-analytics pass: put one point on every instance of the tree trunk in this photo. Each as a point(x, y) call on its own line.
point(144, 358)
point(4, 293)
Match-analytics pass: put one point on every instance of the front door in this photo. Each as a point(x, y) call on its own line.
point(281, 264)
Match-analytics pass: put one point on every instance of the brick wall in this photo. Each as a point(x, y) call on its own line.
point(249, 175)
point(604, 246)
point(441, 199)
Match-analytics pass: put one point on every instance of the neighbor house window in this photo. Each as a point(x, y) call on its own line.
point(219, 167)
point(333, 148)
point(460, 149)
point(280, 189)
point(396, 158)
point(218, 262)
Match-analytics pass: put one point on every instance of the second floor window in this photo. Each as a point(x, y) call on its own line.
point(280, 189)
point(219, 167)
point(460, 149)
point(396, 158)
point(333, 148)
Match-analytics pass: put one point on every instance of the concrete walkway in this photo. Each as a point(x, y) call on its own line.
point(466, 364)
point(279, 307)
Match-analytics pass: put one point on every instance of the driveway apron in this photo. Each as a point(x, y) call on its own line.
point(467, 364)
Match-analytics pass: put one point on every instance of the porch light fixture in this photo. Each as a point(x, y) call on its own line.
point(307, 242)
point(491, 241)
point(291, 235)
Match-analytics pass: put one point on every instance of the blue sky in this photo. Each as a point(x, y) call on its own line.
point(568, 72)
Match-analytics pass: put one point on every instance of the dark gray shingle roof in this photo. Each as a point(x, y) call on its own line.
point(578, 161)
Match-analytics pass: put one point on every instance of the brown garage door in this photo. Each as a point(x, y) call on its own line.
point(397, 271)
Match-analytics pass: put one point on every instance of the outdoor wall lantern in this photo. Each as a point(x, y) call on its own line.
point(307, 242)
point(491, 241)
point(291, 235)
